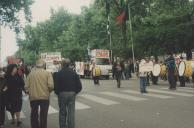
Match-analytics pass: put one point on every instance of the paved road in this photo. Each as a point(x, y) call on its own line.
point(105, 106)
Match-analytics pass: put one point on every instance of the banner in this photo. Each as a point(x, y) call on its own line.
point(79, 66)
point(99, 53)
point(146, 67)
point(51, 56)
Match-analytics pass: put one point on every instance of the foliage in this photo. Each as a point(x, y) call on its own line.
point(9, 12)
point(159, 26)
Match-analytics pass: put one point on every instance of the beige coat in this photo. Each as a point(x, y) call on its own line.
point(39, 84)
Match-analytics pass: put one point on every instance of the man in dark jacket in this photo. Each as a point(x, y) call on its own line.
point(67, 85)
point(171, 66)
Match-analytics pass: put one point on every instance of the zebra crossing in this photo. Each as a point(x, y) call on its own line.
point(183, 90)
point(110, 98)
point(123, 96)
point(99, 99)
point(171, 92)
point(149, 94)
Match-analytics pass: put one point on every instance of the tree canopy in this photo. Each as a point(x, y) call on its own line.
point(159, 26)
point(9, 12)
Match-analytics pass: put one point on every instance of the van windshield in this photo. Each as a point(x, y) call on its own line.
point(102, 61)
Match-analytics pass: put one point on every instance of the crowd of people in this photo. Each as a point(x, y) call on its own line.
point(122, 70)
point(38, 85)
point(170, 73)
point(19, 81)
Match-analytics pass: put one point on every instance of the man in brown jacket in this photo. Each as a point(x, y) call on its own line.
point(39, 85)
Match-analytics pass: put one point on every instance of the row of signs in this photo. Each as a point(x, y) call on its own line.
point(51, 56)
point(100, 53)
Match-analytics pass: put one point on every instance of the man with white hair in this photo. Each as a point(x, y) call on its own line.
point(39, 85)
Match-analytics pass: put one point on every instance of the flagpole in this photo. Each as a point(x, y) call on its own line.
point(0, 47)
point(131, 33)
point(108, 27)
point(110, 37)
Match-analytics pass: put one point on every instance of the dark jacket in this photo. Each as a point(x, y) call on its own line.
point(15, 85)
point(2, 84)
point(170, 63)
point(67, 80)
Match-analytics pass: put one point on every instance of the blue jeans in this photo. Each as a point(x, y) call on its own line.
point(143, 84)
point(67, 109)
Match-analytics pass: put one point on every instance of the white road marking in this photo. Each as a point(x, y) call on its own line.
point(99, 99)
point(22, 115)
point(188, 88)
point(78, 106)
point(149, 94)
point(52, 110)
point(182, 89)
point(124, 96)
point(173, 92)
point(81, 106)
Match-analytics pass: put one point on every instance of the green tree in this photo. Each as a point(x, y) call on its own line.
point(159, 26)
point(9, 10)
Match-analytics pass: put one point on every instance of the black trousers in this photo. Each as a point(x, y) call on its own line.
point(96, 79)
point(182, 81)
point(118, 82)
point(36, 120)
point(2, 109)
point(193, 77)
point(154, 79)
point(171, 79)
point(148, 79)
point(113, 73)
point(118, 78)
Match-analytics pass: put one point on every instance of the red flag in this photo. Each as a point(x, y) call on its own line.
point(121, 18)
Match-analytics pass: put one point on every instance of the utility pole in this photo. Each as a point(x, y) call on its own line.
point(110, 36)
point(0, 48)
point(131, 33)
point(108, 26)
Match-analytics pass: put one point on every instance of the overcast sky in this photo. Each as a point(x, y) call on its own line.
point(40, 12)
